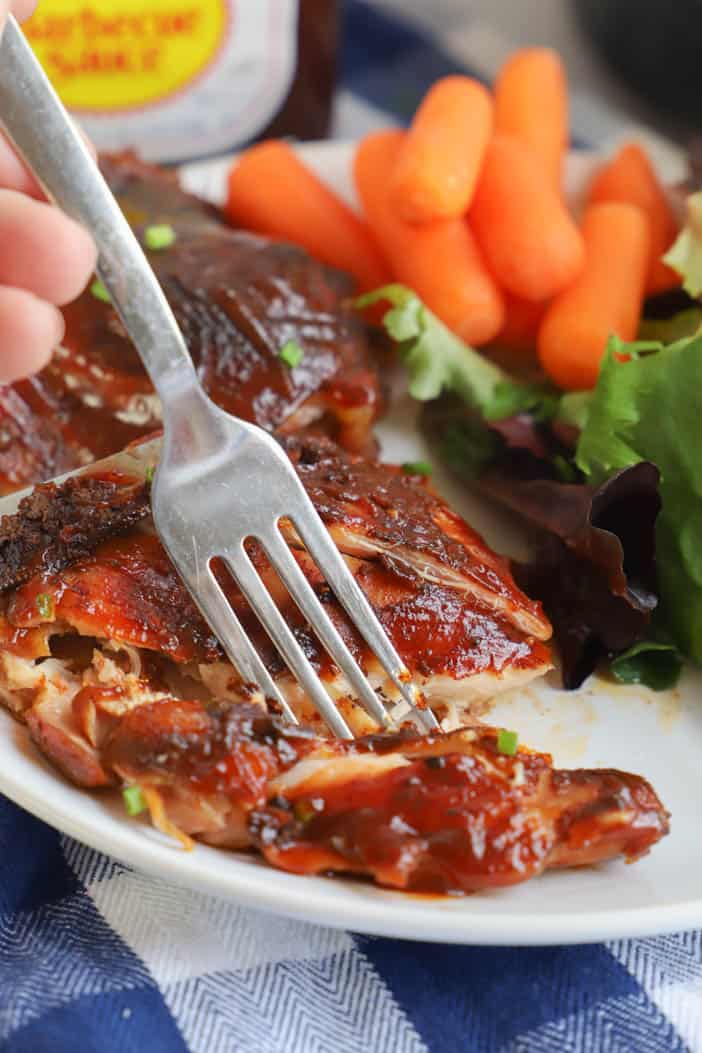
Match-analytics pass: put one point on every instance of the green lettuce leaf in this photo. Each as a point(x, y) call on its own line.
point(649, 662)
point(437, 361)
point(685, 254)
point(648, 407)
point(466, 446)
point(573, 408)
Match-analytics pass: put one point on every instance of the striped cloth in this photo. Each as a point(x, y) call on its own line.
point(97, 958)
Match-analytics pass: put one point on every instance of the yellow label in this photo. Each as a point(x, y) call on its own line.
point(106, 55)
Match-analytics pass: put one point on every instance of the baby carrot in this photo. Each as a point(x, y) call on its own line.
point(522, 320)
point(439, 260)
point(439, 161)
point(605, 299)
point(531, 103)
point(530, 243)
point(272, 192)
point(630, 176)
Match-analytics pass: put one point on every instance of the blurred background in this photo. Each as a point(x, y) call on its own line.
point(185, 82)
point(625, 59)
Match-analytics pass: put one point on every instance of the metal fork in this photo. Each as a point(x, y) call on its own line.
point(220, 480)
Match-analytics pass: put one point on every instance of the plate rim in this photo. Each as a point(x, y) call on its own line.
point(388, 913)
point(383, 912)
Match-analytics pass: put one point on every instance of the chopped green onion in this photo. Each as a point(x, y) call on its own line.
point(291, 353)
point(149, 473)
point(45, 605)
point(134, 800)
point(507, 742)
point(159, 236)
point(417, 468)
point(304, 811)
point(100, 292)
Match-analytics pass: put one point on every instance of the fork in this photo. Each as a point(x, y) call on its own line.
point(220, 480)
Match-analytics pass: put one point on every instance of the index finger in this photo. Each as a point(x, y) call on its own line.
point(14, 174)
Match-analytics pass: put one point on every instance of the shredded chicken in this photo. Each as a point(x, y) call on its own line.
point(80, 563)
point(439, 813)
point(122, 683)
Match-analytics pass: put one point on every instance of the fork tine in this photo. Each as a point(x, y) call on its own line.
point(304, 596)
point(324, 552)
point(217, 610)
point(273, 622)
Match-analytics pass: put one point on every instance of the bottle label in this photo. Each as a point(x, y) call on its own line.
point(173, 78)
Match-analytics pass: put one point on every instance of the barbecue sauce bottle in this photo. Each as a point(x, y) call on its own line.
point(179, 79)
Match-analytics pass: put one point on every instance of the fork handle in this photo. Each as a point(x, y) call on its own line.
point(39, 126)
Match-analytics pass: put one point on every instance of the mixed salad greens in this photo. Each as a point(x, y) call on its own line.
point(438, 361)
point(609, 480)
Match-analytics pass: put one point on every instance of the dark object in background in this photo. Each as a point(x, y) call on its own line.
point(655, 46)
point(306, 113)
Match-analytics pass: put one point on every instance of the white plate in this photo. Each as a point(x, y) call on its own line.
point(631, 728)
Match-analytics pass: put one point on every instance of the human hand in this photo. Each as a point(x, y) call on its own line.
point(46, 258)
